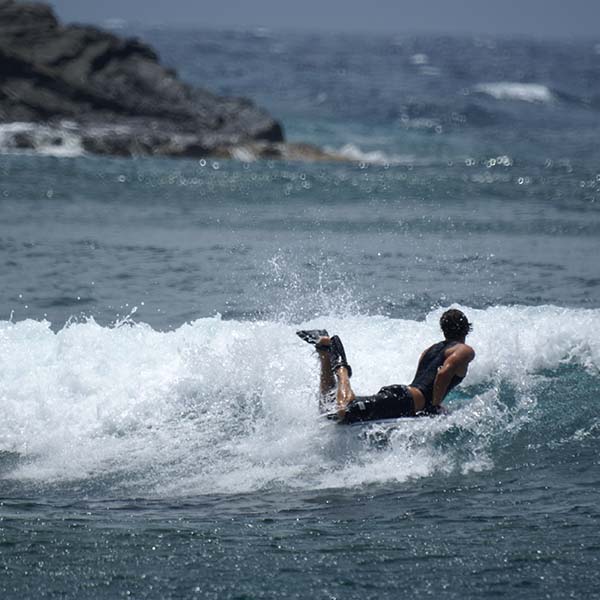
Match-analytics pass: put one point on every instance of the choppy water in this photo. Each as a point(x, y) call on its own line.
point(159, 434)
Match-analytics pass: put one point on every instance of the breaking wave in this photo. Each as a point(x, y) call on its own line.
point(354, 153)
point(525, 92)
point(230, 406)
point(40, 139)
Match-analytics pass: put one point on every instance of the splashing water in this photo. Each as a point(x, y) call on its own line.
point(231, 406)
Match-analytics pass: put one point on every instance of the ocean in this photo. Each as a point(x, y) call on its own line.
point(160, 436)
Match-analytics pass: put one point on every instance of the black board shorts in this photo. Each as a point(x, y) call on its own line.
point(390, 402)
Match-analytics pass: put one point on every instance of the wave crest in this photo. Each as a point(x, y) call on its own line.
point(525, 92)
point(230, 406)
point(41, 139)
point(375, 157)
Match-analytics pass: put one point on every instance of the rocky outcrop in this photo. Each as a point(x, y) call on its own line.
point(115, 97)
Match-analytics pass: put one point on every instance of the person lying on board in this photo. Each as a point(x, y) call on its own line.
point(441, 368)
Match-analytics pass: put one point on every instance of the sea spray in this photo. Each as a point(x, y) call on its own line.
point(231, 406)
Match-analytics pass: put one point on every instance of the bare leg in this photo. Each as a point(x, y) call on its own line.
point(344, 394)
point(327, 380)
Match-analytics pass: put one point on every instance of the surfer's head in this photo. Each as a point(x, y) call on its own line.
point(455, 325)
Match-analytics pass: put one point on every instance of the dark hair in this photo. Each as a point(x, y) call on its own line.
point(455, 324)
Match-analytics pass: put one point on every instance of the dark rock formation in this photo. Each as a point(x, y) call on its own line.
point(116, 98)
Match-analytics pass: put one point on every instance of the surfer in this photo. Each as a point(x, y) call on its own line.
point(441, 367)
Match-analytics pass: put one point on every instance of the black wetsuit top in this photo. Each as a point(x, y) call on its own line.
point(427, 370)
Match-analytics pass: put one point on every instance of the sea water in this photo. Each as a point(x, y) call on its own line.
point(160, 436)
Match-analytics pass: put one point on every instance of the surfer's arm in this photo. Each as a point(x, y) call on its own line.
point(441, 383)
point(455, 364)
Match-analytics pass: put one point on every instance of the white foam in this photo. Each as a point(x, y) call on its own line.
point(41, 139)
point(375, 157)
point(244, 154)
point(228, 406)
point(419, 59)
point(508, 90)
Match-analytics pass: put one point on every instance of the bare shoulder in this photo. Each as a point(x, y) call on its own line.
point(462, 353)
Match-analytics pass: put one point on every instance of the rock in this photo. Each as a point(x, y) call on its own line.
point(117, 97)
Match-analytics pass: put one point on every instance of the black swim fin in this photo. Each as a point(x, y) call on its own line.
point(338, 355)
point(312, 336)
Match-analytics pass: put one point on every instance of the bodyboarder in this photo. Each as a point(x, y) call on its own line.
point(441, 367)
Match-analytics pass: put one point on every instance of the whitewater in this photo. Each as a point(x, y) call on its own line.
point(230, 406)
